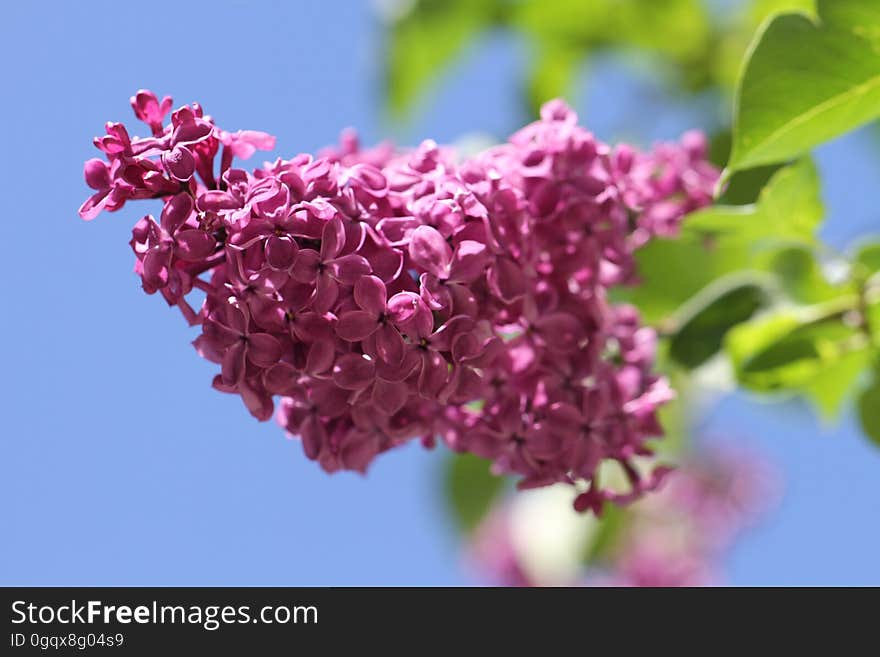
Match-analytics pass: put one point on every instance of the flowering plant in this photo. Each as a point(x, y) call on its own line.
point(388, 295)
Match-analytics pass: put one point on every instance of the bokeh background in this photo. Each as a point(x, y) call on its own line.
point(121, 466)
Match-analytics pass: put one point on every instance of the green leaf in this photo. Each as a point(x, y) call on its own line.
point(833, 388)
point(672, 271)
point(425, 40)
point(470, 489)
point(869, 409)
point(800, 276)
point(868, 257)
point(612, 525)
point(806, 82)
point(705, 320)
point(786, 350)
point(553, 72)
point(788, 209)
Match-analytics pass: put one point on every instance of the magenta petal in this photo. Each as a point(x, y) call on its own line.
point(411, 361)
point(353, 372)
point(506, 280)
point(263, 349)
point(560, 331)
point(326, 293)
point(389, 344)
point(179, 163)
point(357, 452)
point(305, 267)
point(434, 375)
point(194, 245)
point(332, 238)
point(192, 132)
point(430, 251)
point(280, 252)
point(349, 269)
point(97, 174)
point(93, 205)
point(233, 364)
point(281, 379)
point(176, 211)
point(320, 358)
point(389, 396)
point(434, 293)
point(356, 325)
point(564, 418)
point(410, 314)
point(217, 201)
point(468, 262)
point(237, 318)
point(313, 436)
point(370, 294)
point(257, 402)
point(156, 267)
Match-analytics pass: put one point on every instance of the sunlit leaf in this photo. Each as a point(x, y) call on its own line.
point(787, 349)
point(789, 208)
point(807, 81)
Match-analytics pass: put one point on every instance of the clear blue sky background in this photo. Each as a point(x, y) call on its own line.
point(120, 465)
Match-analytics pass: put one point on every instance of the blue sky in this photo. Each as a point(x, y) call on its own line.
point(119, 463)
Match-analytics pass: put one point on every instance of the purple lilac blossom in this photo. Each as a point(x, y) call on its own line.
point(369, 297)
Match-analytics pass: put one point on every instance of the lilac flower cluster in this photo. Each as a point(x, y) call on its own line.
point(386, 295)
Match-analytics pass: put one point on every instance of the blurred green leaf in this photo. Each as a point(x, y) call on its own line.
point(612, 524)
point(554, 68)
point(806, 82)
point(426, 39)
point(724, 239)
point(672, 271)
point(800, 276)
point(787, 349)
point(564, 32)
point(833, 388)
point(869, 409)
point(789, 208)
point(868, 256)
point(705, 320)
point(470, 489)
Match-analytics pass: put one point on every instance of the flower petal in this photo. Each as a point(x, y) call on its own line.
point(233, 364)
point(468, 261)
point(430, 251)
point(389, 396)
point(176, 211)
point(305, 267)
point(353, 372)
point(370, 294)
point(349, 269)
point(332, 239)
point(356, 325)
point(194, 245)
point(263, 350)
point(280, 252)
point(389, 344)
